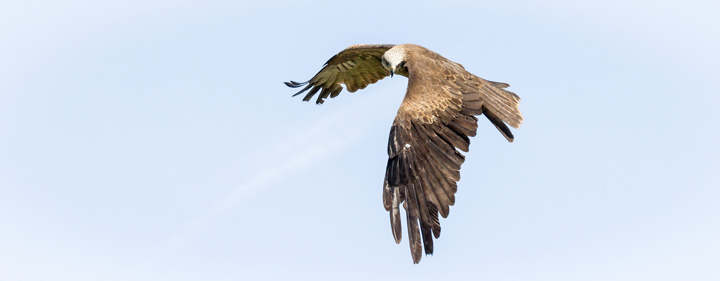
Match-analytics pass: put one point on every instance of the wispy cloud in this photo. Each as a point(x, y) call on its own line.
point(302, 149)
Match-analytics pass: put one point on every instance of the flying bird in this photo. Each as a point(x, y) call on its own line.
point(435, 120)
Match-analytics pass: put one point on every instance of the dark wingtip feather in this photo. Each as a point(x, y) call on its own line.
point(500, 84)
point(499, 124)
point(301, 91)
point(293, 84)
point(309, 94)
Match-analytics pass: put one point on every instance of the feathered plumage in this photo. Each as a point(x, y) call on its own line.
point(435, 120)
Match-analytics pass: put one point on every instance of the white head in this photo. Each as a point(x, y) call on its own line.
point(394, 60)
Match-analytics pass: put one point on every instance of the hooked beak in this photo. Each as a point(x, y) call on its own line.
point(391, 73)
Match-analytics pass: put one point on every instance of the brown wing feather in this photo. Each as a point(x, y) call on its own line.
point(435, 120)
point(356, 67)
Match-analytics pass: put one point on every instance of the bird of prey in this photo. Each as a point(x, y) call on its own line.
point(434, 121)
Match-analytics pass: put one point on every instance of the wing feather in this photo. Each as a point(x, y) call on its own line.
point(425, 223)
point(438, 196)
point(413, 213)
point(356, 67)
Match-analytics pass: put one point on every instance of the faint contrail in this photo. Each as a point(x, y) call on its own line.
point(304, 148)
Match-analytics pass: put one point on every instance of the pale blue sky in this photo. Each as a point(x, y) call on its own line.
point(154, 140)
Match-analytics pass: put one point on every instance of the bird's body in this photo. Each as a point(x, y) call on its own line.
point(435, 118)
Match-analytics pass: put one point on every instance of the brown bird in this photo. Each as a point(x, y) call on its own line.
point(435, 119)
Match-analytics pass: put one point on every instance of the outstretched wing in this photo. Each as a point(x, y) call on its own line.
point(356, 67)
point(435, 119)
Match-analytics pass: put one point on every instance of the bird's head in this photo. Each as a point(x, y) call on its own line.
point(394, 61)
